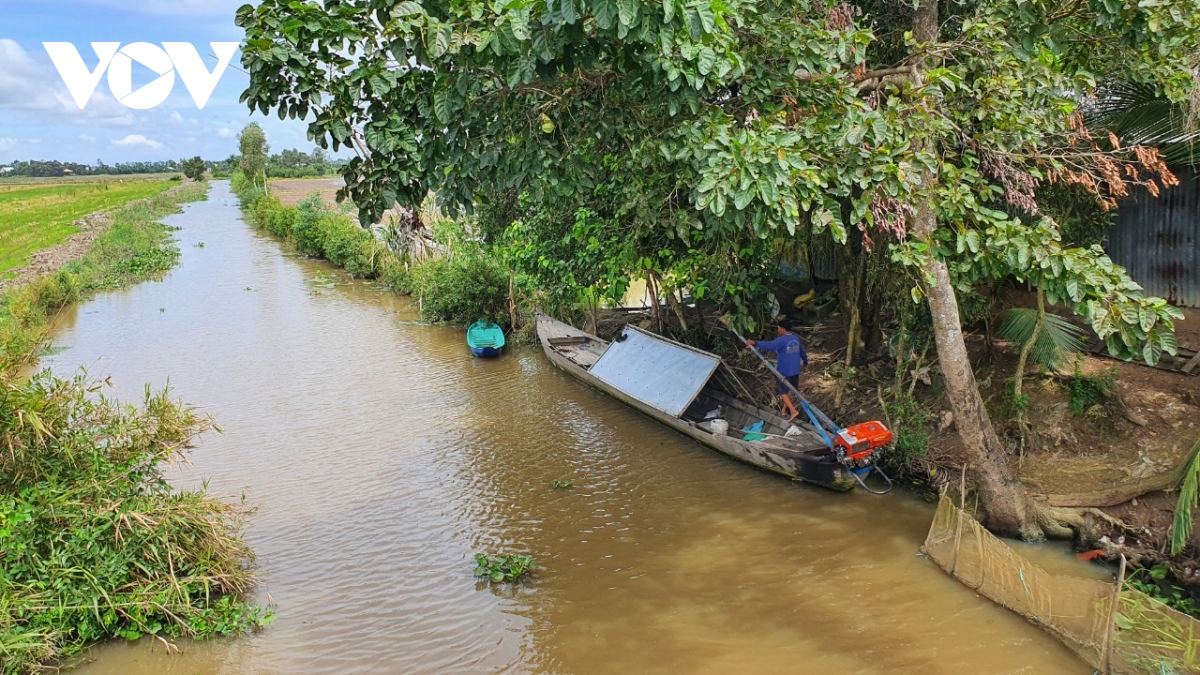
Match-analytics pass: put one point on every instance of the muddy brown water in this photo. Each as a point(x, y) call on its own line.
point(381, 458)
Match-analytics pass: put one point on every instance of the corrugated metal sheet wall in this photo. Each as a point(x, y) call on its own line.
point(822, 258)
point(1158, 240)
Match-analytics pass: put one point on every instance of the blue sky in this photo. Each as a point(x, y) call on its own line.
point(39, 120)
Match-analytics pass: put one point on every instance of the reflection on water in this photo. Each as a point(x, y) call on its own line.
point(381, 458)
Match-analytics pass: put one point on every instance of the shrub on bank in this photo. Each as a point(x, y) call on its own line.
point(396, 274)
point(460, 289)
point(314, 228)
point(246, 191)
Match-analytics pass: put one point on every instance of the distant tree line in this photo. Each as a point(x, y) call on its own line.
point(286, 164)
point(54, 168)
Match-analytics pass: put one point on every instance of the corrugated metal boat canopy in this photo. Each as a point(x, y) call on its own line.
point(658, 372)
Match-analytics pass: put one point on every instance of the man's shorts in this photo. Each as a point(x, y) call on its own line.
point(781, 388)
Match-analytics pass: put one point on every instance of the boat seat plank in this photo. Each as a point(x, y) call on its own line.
point(574, 344)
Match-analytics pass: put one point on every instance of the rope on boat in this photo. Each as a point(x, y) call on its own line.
point(808, 410)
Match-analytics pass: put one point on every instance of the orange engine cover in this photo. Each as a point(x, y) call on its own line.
point(860, 440)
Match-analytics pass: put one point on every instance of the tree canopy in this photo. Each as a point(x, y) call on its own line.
point(618, 136)
point(194, 168)
point(691, 141)
point(252, 141)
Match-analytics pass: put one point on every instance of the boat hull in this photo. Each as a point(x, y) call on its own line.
point(485, 339)
point(818, 468)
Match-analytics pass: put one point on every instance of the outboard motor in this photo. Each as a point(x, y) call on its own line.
point(856, 445)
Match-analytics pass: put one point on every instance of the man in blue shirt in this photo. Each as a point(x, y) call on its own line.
point(790, 355)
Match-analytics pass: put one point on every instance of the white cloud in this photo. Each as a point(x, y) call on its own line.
point(176, 117)
point(89, 139)
point(26, 85)
point(138, 139)
point(226, 132)
point(222, 8)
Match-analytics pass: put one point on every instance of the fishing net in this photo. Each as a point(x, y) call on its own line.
point(1141, 636)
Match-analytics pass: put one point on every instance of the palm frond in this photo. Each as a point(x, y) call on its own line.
point(1057, 342)
point(1018, 325)
point(1189, 492)
point(1140, 114)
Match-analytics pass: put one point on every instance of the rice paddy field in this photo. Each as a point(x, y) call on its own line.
point(36, 215)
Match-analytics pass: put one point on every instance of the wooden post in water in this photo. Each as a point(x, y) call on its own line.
point(1110, 625)
point(961, 512)
point(512, 302)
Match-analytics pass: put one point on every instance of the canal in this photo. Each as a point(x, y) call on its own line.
point(381, 458)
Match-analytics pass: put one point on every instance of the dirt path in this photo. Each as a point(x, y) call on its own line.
point(51, 259)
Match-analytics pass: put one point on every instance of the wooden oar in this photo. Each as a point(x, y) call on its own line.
point(813, 412)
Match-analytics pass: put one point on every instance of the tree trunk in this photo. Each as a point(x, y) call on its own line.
point(677, 307)
point(652, 289)
point(512, 300)
point(1018, 384)
point(858, 318)
point(1023, 359)
point(1001, 494)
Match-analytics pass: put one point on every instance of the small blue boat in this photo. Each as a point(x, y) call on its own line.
point(485, 338)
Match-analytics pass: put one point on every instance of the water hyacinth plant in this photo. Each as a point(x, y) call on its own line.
point(503, 568)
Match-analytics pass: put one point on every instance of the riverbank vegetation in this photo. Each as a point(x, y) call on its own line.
point(454, 276)
point(94, 541)
point(135, 247)
point(36, 216)
point(315, 228)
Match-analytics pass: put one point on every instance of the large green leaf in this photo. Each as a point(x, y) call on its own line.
point(1189, 499)
point(1057, 342)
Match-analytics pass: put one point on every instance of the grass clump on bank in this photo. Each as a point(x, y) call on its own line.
point(94, 541)
point(39, 216)
point(134, 248)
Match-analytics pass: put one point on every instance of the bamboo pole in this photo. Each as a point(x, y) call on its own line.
point(512, 302)
point(960, 512)
point(1106, 654)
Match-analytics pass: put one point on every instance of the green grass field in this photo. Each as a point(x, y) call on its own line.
point(36, 216)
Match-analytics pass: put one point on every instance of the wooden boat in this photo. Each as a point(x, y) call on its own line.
point(647, 381)
point(485, 338)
